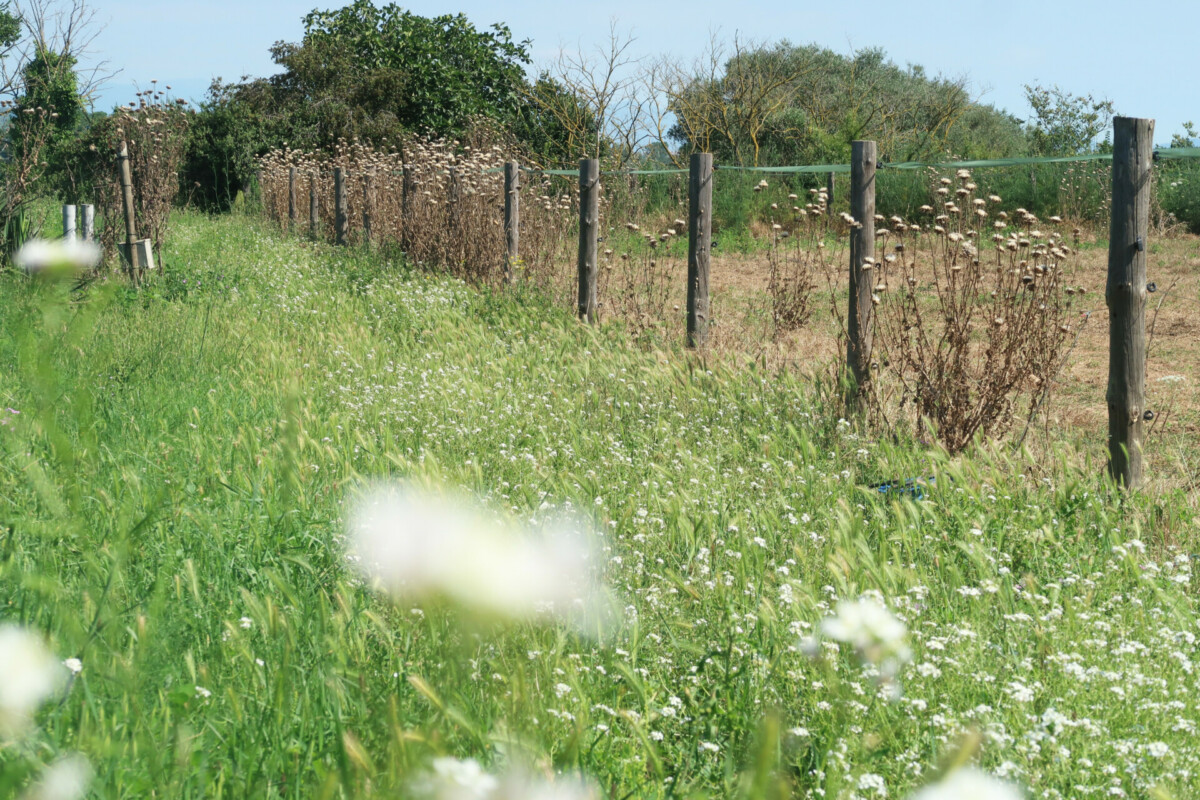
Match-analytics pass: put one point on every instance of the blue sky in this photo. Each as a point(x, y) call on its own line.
point(1141, 56)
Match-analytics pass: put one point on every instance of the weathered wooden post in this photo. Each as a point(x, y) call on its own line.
point(314, 203)
point(589, 226)
point(368, 203)
point(1125, 293)
point(512, 218)
point(830, 182)
point(341, 224)
point(127, 202)
point(293, 211)
point(859, 320)
point(89, 222)
point(68, 213)
point(700, 192)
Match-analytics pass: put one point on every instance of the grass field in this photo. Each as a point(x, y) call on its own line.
point(175, 469)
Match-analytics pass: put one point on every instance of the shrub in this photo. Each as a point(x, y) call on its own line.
point(966, 324)
point(796, 251)
point(155, 128)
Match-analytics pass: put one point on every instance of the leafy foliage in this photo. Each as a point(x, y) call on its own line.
point(1065, 124)
point(364, 72)
point(804, 104)
point(223, 141)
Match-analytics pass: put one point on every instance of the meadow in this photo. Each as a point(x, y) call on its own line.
point(177, 464)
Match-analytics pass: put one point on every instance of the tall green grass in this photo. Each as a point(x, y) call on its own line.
point(174, 472)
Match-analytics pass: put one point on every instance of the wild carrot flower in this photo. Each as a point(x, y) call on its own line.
point(29, 675)
point(968, 783)
point(65, 779)
point(874, 632)
point(455, 779)
point(423, 544)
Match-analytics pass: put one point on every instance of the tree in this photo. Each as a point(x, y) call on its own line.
point(1064, 124)
point(42, 43)
point(595, 99)
point(51, 92)
point(223, 142)
point(362, 63)
point(374, 73)
point(788, 104)
point(1187, 138)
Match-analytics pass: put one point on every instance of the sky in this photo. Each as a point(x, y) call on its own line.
point(1141, 56)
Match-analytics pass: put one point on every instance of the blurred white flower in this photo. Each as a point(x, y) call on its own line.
point(873, 631)
point(455, 779)
point(65, 779)
point(1158, 749)
point(29, 675)
point(969, 784)
point(460, 780)
point(73, 664)
point(424, 544)
point(57, 257)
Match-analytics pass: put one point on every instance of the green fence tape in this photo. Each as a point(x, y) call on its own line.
point(809, 168)
point(1174, 153)
point(997, 162)
point(1167, 153)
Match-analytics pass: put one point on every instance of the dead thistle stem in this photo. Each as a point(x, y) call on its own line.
point(641, 260)
point(155, 128)
point(795, 253)
point(966, 331)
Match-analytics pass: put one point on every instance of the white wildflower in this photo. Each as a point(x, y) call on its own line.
point(869, 781)
point(873, 631)
point(1158, 749)
point(968, 783)
point(420, 543)
point(65, 779)
point(1020, 692)
point(461, 780)
point(31, 675)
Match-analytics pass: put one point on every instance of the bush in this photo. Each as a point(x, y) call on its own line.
point(967, 325)
point(155, 128)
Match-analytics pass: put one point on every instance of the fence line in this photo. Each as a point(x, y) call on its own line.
point(1165, 153)
point(1132, 160)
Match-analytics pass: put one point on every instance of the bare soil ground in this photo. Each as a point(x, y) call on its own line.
point(743, 330)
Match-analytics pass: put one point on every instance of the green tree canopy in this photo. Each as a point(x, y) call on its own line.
point(1064, 124)
point(362, 69)
point(803, 104)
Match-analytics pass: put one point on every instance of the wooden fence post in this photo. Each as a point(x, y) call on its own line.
point(830, 181)
point(589, 225)
point(127, 202)
point(68, 213)
point(341, 225)
point(314, 203)
point(368, 203)
point(292, 210)
point(859, 320)
point(512, 218)
point(1125, 294)
point(89, 222)
point(700, 193)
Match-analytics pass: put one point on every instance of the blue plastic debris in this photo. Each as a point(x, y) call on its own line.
point(910, 487)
